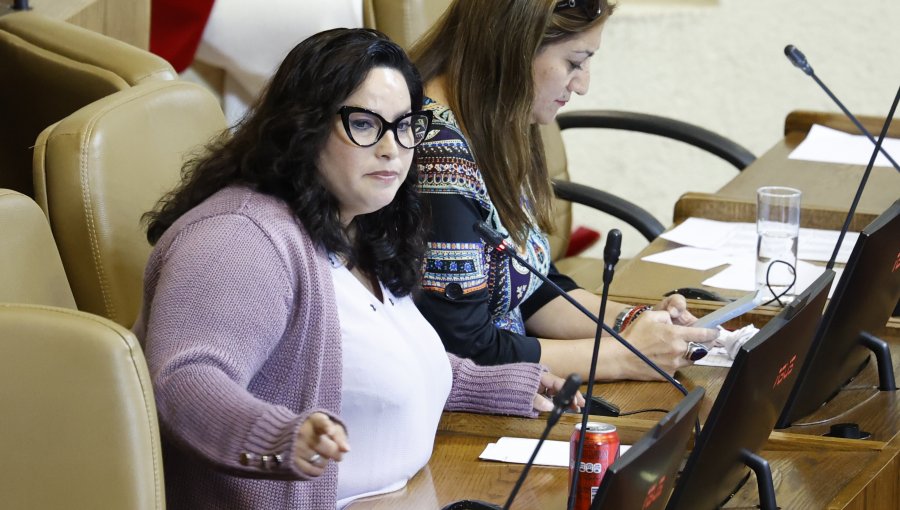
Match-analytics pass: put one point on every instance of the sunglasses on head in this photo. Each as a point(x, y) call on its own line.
point(590, 8)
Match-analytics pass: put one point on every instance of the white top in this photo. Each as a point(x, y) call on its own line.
point(396, 380)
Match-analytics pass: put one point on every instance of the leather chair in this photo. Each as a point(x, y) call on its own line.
point(79, 420)
point(100, 169)
point(30, 268)
point(51, 68)
point(405, 20)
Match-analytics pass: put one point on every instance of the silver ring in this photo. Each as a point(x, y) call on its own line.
point(315, 459)
point(695, 351)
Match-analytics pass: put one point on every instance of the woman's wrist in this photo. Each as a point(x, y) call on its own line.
point(628, 316)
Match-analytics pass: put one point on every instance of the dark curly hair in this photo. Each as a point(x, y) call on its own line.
point(275, 150)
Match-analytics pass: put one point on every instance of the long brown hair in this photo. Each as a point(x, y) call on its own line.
point(485, 50)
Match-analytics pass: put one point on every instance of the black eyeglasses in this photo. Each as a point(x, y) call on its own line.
point(365, 128)
point(590, 8)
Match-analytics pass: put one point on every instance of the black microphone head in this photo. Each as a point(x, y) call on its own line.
point(567, 393)
point(613, 248)
point(798, 58)
point(488, 234)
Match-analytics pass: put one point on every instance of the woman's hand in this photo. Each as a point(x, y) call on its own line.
point(665, 343)
point(676, 305)
point(319, 440)
point(550, 386)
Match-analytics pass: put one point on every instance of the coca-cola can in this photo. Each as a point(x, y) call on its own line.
point(601, 449)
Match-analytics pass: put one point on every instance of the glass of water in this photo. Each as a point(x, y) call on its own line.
point(777, 228)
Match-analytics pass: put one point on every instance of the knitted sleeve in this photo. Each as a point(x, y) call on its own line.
point(499, 389)
point(221, 303)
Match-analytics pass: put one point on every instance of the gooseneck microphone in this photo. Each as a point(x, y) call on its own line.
point(561, 401)
point(799, 60)
point(862, 183)
point(497, 240)
point(611, 253)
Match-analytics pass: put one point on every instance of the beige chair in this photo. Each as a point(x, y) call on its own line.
point(30, 268)
point(79, 426)
point(100, 169)
point(405, 20)
point(51, 68)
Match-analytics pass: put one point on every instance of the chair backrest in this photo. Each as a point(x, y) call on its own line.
point(51, 68)
point(30, 268)
point(79, 421)
point(100, 169)
point(404, 21)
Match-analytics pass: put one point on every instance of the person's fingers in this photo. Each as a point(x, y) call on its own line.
point(699, 335)
point(578, 401)
point(325, 426)
point(328, 448)
point(541, 403)
point(319, 441)
point(661, 317)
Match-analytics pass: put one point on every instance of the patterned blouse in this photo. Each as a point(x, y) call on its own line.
point(476, 298)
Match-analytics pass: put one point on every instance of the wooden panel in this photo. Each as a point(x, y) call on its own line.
point(127, 21)
point(715, 207)
point(800, 121)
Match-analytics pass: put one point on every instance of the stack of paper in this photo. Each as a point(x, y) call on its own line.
point(709, 244)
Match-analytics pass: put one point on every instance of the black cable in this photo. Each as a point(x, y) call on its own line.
point(786, 289)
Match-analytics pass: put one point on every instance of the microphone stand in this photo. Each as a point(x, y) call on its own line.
point(799, 60)
point(865, 178)
point(494, 238)
point(561, 400)
point(610, 258)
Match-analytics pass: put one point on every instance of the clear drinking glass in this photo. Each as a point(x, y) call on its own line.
point(777, 228)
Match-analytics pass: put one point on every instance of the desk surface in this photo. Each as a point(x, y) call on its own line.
point(820, 478)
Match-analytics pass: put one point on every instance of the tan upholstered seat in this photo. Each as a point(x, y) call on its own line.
point(30, 268)
point(51, 68)
point(79, 426)
point(98, 170)
point(405, 20)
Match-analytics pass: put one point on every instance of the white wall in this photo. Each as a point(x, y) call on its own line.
point(722, 67)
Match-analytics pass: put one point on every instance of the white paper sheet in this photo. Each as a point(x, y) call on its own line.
point(733, 239)
point(517, 450)
point(692, 258)
point(832, 146)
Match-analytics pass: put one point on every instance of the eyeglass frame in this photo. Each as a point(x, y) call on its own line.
point(386, 126)
point(586, 8)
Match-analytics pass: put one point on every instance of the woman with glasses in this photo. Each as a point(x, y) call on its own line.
point(276, 319)
point(494, 71)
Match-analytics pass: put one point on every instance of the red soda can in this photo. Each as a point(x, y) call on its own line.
point(601, 449)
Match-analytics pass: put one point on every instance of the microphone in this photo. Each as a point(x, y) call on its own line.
point(561, 400)
point(799, 60)
point(498, 241)
point(611, 253)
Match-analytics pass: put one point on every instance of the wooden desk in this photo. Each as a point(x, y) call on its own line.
point(828, 477)
point(828, 188)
